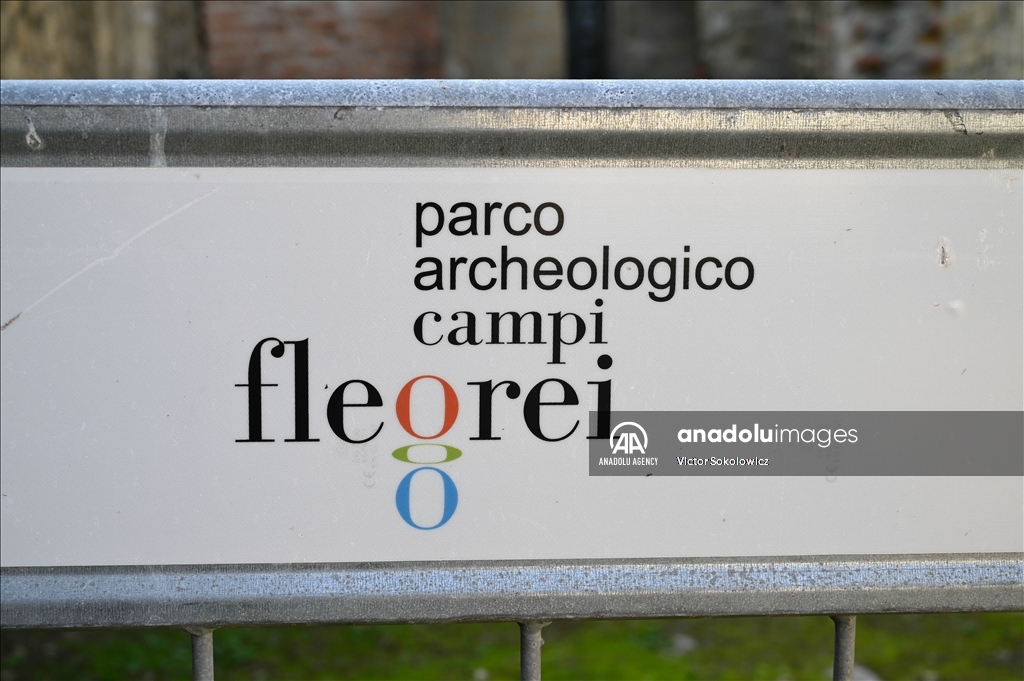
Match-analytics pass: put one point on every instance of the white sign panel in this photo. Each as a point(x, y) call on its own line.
point(301, 365)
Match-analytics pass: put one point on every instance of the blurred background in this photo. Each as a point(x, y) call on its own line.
point(510, 39)
point(539, 39)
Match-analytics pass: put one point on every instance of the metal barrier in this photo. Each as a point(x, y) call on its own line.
point(202, 598)
point(501, 124)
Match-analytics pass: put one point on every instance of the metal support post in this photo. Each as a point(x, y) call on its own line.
point(529, 649)
point(846, 636)
point(202, 654)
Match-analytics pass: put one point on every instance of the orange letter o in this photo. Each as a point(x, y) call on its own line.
point(451, 408)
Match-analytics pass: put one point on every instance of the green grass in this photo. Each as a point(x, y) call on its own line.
point(971, 646)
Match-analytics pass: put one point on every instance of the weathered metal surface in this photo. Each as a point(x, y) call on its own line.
point(694, 94)
point(217, 595)
point(746, 124)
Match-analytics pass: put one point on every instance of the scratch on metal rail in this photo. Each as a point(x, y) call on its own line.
point(956, 120)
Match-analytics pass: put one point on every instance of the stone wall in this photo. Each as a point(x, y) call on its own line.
point(504, 39)
point(101, 39)
point(984, 39)
point(887, 39)
point(744, 39)
point(652, 39)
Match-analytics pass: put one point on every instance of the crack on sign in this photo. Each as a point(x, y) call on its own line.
point(116, 252)
point(956, 120)
point(10, 321)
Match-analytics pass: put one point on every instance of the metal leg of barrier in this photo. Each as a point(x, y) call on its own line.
point(529, 649)
point(846, 636)
point(202, 654)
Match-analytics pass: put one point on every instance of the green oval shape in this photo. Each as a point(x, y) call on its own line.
point(402, 454)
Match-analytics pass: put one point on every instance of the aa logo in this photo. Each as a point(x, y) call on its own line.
point(628, 438)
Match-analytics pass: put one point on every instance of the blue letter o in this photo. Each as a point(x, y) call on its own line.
point(451, 498)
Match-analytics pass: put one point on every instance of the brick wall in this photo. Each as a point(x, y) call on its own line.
point(305, 39)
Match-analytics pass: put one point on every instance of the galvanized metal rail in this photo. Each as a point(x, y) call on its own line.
point(203, 597)
point(738, 124)
point(210, 596)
